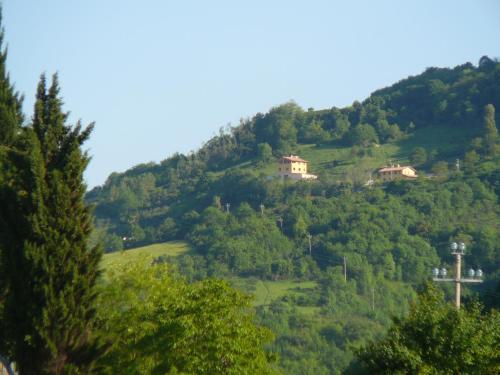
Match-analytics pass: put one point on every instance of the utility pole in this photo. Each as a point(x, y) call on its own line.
point(458, 274)
point(261, 209)
point(280, 219)
point(310, 247)
point(345, 269)
point(227, 207)
point(457, 164)
point(458, 250)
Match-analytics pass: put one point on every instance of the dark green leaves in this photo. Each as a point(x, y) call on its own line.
point(435, 338)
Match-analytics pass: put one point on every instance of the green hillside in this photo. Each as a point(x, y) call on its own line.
point(288, 243)
point(440, 110)
point(341, 163)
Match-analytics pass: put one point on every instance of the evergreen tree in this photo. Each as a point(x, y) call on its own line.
point(10, 102)
point(10, 125)
point(490, 130)
point(45, 225)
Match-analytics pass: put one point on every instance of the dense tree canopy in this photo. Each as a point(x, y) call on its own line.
point(490, 131)
point(159, 324)
point(436, 338)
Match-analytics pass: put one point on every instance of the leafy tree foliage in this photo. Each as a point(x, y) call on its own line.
point(418, 156)
point(364, 135)
point(490, 131)
point(244, 242)
point(440, 169)
point(159, 324)
point(278, 127)
point(435, 338)
point(264, 152)
point(314, 132)
point(471, 158)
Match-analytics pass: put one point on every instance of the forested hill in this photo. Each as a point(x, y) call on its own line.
point(435, 116)
point(262, 232)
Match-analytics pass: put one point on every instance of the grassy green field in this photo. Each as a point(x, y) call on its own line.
point(266, 291)
point(173, 248)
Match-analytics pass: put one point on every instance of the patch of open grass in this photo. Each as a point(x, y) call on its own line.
point(309, 310)
point(173, 248)
point(266, 291)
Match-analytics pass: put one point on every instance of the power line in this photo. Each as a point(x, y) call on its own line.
point(331, 260)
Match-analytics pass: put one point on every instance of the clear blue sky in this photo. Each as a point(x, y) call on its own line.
point(162, 76)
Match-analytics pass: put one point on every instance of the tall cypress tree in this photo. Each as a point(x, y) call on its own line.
point(50, 270)
point(10, 102)
point(11, 119)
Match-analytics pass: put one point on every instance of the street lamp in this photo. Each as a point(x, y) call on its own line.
point(435, 272)
point(474, 276)
point(442, 272)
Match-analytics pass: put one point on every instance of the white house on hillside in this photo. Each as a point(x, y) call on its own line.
point(390, 173)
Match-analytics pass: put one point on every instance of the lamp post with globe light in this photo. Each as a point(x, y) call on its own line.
point(474, 276)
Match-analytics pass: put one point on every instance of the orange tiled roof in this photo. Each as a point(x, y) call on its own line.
point(395, 169)
point(294, 158)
